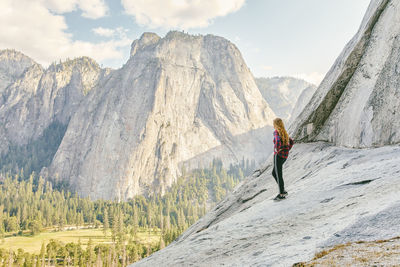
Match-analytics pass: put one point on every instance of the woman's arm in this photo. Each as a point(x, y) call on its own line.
point(291, 143)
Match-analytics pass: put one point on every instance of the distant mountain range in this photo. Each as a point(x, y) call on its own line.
point(283, 93)
point(178, 102)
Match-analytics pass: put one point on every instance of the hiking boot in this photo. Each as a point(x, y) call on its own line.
point(279, 197)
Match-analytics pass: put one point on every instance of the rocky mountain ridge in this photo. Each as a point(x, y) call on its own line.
point(178, 102)
point(12, 65)
point(177, 98)
point(38, 97)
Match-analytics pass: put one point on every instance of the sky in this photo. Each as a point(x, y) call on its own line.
point(299, 38)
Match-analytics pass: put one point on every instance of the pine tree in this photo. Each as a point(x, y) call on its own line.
point(1, 222)
point(109, 256)
point(167, 222)
point(106, 224)
point(99, 262)
point(10, 258)
point(90, 252)
point(135, 220)
point(75, 255)
point(42, 255)
point(124, 256)
point(116, 225)
point(181, 219)
point(66, 259)
point(161, 242)
point(120, 227)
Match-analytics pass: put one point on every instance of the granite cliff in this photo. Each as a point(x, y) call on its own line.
point(33, 98)
point(356, 103)
point(181, 100)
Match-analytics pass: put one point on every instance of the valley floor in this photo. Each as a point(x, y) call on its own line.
point(336, 195)
point(32, 244)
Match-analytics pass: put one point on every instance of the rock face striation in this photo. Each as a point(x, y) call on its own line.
point(32, 98)
point(179, 100)
point(282, 93)
point(336, 194)
point(357, 103)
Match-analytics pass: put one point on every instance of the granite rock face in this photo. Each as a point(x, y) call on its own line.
point(12, 65)
point(336, 195)
point(282, 93)
point(36, 97)
point(357, 103)
point(177, 98)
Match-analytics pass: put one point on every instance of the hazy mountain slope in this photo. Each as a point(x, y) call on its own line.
point(301, 102)
point(176, 98)
point(281, 93)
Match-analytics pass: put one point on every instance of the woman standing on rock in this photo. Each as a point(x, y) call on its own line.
point(282, 144)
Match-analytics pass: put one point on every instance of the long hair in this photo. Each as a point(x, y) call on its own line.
point(280, 127)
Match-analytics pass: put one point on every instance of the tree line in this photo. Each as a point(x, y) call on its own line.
point(31, 204)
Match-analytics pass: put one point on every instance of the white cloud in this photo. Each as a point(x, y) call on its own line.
point(313, 77)
point(28, 26)
point(90, 8)
point(106, 32)
point(183, 14)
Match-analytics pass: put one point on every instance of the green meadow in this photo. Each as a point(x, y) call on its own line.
point(32, 244)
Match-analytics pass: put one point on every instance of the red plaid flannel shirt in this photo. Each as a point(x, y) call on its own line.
point(281, 150)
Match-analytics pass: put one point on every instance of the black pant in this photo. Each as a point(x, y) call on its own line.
point(277, 172)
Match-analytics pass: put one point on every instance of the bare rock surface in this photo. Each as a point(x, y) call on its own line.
point(331, 190)
point(176, 98)
point(12, 65)
point(37, 97)
point(356, 104)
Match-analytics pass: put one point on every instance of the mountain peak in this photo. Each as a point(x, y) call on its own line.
point(146, 39)
point(12, 54)
point(149, 38)
point(179, 35)
point(82, 62)
point(181, 83)
point(13, 64)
